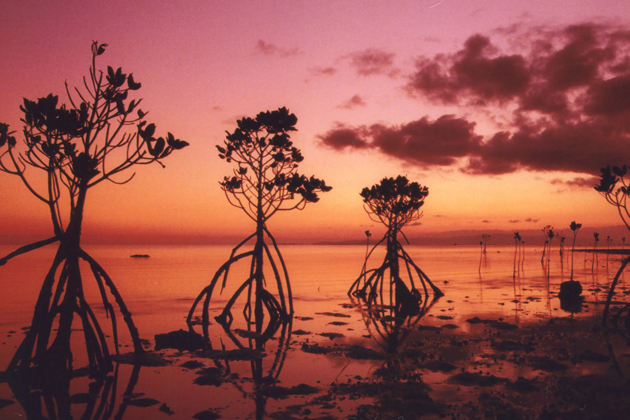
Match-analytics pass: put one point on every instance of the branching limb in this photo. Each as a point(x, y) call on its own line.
point(28, 248)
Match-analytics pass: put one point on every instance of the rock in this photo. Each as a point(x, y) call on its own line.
point(547, 364)
point(142, 402)
point(476, 379)
point(276, 391)
point(475, 320)
point(522, 385)
point(439, 366)
point(570, 296)
point(335, 314)
point(500, 325)
point(149, 359)
point(192, 364)
point(180, 340)
point(315, 349)
point(363, 353)
point(331, 335)
point(237, 354)
point(509, 345)
point(209, 378)
point(166, 409)
point(207, 415)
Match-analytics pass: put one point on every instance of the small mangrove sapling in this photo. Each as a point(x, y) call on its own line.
point(394, 202)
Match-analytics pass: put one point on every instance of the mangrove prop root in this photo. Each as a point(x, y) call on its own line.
point(369, 285)
point(258, 298)
point(68, 300)
point(611, 292)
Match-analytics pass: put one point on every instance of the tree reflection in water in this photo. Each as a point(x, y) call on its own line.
point(49, 396)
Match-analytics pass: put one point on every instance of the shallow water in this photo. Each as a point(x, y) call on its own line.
point(160, 290)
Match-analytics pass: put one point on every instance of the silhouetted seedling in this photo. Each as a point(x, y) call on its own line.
point(548, 234)
point(484, 239)
point(265, 182)
point(575, 227)
point(570, 291)
point(595, 260)
point(394, 203)
point(517, 252)
point(613, 186)
point(563, 238)
point(75, 147)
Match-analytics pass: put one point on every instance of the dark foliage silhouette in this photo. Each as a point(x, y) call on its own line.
point(75, 147)
point(394, 203)
point(264, 182)
point(613, 186)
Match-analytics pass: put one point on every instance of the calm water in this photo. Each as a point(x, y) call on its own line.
point(159, 292)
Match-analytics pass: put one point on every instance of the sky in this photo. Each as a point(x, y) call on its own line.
point(505, 110)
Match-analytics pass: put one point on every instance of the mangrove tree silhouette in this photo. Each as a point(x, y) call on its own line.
point(73, 148)
point(613, 186)
point(264, 182)
point(394, 203)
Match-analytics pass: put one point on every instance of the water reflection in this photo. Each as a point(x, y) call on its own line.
point(265, 371)
point(45, 396)
point(390, 326)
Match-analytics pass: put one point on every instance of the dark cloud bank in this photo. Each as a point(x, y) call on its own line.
point(566, 92)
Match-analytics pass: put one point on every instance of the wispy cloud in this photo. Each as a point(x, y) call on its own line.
point(355, 102)
point(372, 62)
point(323, 71)
point(266, 48)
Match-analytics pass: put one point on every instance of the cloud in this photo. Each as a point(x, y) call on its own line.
point(324, 71)
point(563, 95)
point(514, 221)
point(372, 62)
point(578, 182)
point(486, 221)
point(530, 220)
point(473, 72)
point(354, 102)
point(424, 142)
point(266, 48)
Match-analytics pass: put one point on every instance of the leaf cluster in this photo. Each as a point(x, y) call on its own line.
point(266, 176)
point(394, 201)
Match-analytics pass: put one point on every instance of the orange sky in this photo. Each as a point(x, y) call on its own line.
point(354, 65)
